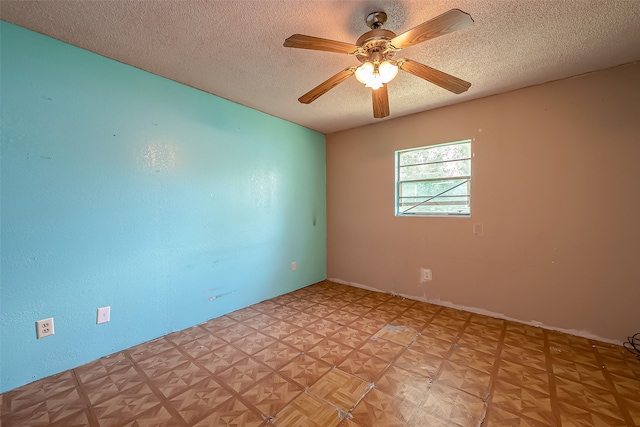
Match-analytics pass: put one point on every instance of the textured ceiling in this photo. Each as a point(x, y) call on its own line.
point(233, 49)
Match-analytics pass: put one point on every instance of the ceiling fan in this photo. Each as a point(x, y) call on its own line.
point(376, 50)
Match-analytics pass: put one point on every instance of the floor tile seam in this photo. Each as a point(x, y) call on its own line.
point(8, 397)
point(79, 387)
point(192, 359)
point(249, 309)
point(600, 362)
point(132, 418)
point(321, 360)
point(377, 376)
point(169, 408)
point(14, 419)
point(623, 360)
point(416, 406)
point(164, 401)
point(568, 358)
point(236, 339)
point(246, 351)
point(234, 365)
point(572, 348)
point(250, 405)
point(336, 407)
point(446, 358)
point(509, 336)
point(585, 382)
point(533, 421)
point(233, 395)
point(79, 370)
point(590, 410)
point(495, 370)
point(91, 415)
point(304, 387)
point(625, 375)
point(516, 361)
point(129, 354)
point(45, 397)
point(202, 365)
point(84, 386)
point(279, 366)
point(553, 385)
point(395, 358)
point(208, 350)
point(614, 391)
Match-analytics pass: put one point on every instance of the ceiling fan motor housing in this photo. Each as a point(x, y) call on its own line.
point(375, 43)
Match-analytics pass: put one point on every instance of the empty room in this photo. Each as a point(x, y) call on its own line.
point(319, 213)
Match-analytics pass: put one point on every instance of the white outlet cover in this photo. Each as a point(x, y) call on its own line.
point(104, 315)
point(44, 328)
point(293, 266)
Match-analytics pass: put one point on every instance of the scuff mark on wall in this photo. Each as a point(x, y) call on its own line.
point(159, 156)
point(215, 297)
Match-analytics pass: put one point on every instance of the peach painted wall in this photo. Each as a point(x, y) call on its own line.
point(555, 184)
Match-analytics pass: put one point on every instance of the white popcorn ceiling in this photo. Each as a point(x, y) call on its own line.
point(233, 49)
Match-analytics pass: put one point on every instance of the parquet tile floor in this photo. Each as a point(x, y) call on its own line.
point(330, 355)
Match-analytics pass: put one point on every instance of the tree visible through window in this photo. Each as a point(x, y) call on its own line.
point(434, 180)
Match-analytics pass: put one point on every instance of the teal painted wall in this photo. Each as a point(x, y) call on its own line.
point(121, 188)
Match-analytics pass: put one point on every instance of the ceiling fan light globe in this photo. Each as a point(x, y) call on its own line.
point(364, 72)
point(375, 82)
point(388, 71)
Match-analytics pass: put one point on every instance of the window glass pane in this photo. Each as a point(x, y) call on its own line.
point(435, 154)
point(457, 205)
point(436, 170)
point(433, 188)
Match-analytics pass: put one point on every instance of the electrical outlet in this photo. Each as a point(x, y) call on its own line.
point(44, 327)
point(426, 275)
point(293, 266)
point(104, 314)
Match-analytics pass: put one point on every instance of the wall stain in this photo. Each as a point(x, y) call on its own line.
point(215, 297)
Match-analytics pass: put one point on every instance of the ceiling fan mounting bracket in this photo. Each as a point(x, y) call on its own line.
point(376, 20)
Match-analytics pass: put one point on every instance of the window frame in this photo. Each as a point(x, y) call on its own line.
point(468, 181)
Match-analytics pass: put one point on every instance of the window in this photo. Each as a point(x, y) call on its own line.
point(434, 180)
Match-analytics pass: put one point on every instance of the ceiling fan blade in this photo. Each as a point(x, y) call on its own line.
point(448, 22)
point(380, 102)
point(326, 86)
point(437, 77)
point(301, 41)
